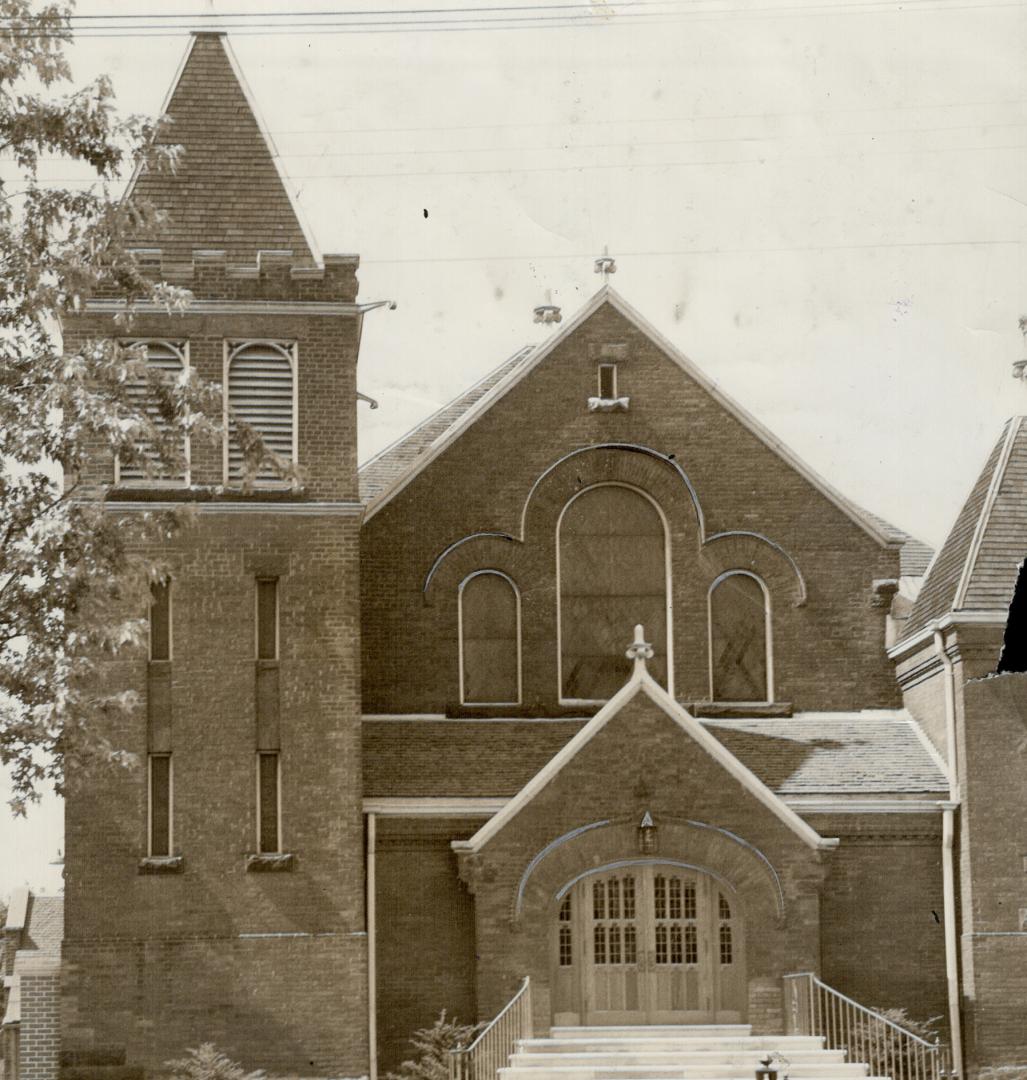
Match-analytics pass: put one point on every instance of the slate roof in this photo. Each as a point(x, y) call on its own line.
point(44, 929)
point(869, 753)
point(377, 474)
point(914, 555)
point(977, 566)
point(226, 192)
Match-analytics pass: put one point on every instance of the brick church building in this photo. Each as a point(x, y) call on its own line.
point(404, 746)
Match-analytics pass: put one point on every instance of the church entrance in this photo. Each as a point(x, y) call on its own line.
point(648, 943)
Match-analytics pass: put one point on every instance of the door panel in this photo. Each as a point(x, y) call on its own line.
point(648, 944)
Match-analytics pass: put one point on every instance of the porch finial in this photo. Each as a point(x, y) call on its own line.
point(640, 650)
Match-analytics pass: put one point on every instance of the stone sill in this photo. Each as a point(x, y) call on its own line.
point(161, 864)
point(270, 863)
point(731, 710)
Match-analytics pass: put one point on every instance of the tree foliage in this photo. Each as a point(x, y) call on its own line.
point(206, 1062)
point(433, 1045)
point(71, 591)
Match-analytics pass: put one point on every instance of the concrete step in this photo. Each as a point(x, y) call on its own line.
point(651, 1031)
point(675, 1070)
point(786, 1044)
point(672, 1055)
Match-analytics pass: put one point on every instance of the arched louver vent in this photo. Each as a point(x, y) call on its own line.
point(169, 358)
point(262, 393)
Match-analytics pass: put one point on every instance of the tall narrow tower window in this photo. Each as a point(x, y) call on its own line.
point(261, 393)
point(167, 360)
point(613, 574)
point(160, 620)
point(740, 657)
point(269, 832)
point(160, 796)
point(490, 644)
point(267, 618)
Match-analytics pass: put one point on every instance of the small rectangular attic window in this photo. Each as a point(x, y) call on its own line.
point(607, 381)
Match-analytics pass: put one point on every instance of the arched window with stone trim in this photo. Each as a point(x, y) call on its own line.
point(613, 567)
point(741, 667)
point(490, 640)
point(261, 391)
point(168, 360)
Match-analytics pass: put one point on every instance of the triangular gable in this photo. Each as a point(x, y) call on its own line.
point(975, 569)
point(229, 191)
point(607, 295)
point(641, 682)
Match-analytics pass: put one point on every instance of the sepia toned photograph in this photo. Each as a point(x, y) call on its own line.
point(513, 540)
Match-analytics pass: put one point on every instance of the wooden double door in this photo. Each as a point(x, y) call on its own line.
point(648, 943)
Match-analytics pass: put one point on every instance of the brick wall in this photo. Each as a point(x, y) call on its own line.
point(425, 938)
point(828, 654)
point(40, 1033)
point(882, 917)
point(993, 862)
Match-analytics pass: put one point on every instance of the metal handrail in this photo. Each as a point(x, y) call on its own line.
point(491, 1050)
point(887, 1048)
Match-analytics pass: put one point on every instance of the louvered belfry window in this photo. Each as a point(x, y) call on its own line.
point(261, 381)
point(170, 359)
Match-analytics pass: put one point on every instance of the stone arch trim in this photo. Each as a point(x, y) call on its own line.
point(756, 554)
point(441, 557)
point(588, 466)
point(723, 854)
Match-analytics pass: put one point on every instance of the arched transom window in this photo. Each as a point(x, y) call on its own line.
point(490, 661)
point(167, 360)
point(261, 384)
point(612, 552)
point(740, 659)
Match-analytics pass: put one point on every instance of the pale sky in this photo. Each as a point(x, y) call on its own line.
point(823, 203)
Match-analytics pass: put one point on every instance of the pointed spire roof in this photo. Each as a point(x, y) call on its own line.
point(228, 192)
point(976, 569)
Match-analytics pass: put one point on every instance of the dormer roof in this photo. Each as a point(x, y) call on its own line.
point(228, 192)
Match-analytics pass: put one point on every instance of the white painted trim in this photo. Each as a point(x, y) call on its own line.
point(768, 632)
point(668, 591)
point(371, 905)
point(149, 803)
point(287, 184)
point(460, 635)
point(303, 509)
point(984, 518)
point(606, 294)
point(232, 349)
point(819, 804)
point(226, 307)
point(431, 806)
point(642, 682)
point(17, 913)
point(967, 616)
point(931, 749)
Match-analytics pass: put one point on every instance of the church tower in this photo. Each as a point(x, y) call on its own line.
point(216, 893)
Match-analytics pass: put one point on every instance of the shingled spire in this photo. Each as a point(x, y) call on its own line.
point(228, 192)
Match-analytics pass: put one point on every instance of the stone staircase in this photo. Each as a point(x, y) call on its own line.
point(709, 1052)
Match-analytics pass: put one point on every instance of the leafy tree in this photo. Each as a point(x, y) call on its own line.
point(67, 572)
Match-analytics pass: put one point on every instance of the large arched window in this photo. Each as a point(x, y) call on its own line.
point(490, 640)
point(260, 378)
point(613, 572)
point(740, 657)
point(167, 360)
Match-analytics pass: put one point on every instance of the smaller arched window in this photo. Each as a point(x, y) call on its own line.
point(740, 646)
point(166, 360)
point(490, 640)
point(260, 381)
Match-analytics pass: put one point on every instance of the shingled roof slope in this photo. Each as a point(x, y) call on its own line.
point(44, 928)
point(227, 192)
point(389, 464)
point(914, 556)
point(823, 753)
point(977, 566)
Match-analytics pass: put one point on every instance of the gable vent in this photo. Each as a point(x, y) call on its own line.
point(168, 358)
point(262, 393)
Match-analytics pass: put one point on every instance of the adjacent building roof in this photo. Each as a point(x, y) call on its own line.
point(228, 191)
point(35, 928)
point(977, 566)
point(392, 468)
point(866, 753)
